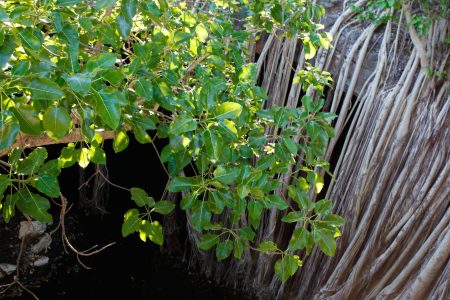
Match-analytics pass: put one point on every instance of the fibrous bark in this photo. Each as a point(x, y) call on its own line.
point(391, 165)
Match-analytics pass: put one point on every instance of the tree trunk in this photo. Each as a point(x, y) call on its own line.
point(391, 165)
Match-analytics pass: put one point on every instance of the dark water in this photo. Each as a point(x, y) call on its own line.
point(131, 269)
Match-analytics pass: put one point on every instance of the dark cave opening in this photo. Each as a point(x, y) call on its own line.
point(130, 268)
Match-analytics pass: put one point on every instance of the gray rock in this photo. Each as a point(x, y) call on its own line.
point(6, 269)
point(31, 229)
point(41, 261)
point(43, 243)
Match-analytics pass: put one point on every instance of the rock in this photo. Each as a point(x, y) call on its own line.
point(7, 269)
point(31, 229)
point(41, 261)
point(43, 243)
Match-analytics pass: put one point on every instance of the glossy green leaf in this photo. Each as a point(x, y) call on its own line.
point(69, 156)
point(33, 205)
point(108, 108)
point(154, 231)
point(101, 62)
point(56, 122)
point(286, 266)
point(187, 202)
point(32, 162)
point(299, 239)
point(327, 243)
point(20, 68)
point(223, 249)
point(48, 185)
point(226, 175)
point(124, 25)
point(144, 89)
point(212, 144)
point(201, 32)
point(97, 155)
point(5, 181)
point(79, 83)
point(67, 2)
point(228, 110)
point(267, 247)
point(255, 209)
point(276, 201)
point(334, 220)
point(293, 217)
point(164, 207)
point(120, 141)
point(6, 50)
point(182, 124)
point(201, 215)
point(28, 119)
point(131, 223)
point(31, 38)
point(141, 198)
point(207, 241)
point(9, 128)
point(178, 184)
point(323, 207)
point(45, 89)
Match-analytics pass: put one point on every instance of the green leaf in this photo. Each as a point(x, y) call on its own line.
point(313, 129)
point(226, 175)
point(265, 162)
point(290, 145)
point(28, 119)
point(68, 2)
point(153, 231)
point(5, 181)
point(334, 220)
point(97, 155)
point(56, 122)
point(323, 207)
point(9, 207)
point(267, 247)
point(223, 249)
point(108, 108)
point(213, 148)
point(48, 185)
point(276, 201)
point(299, 239)
point(144, 89)
point(20, 68)
point(286, 266)
point(101, 62)
point(178, 184)
point(187, 202)
point(308, 104)
point(31, 38)
point(6, 50)
point(201, 32)
point(141, 198)
point(228, 110)
point(207, 241)
point(242, 190)
point(83, 159)
point(69, 156)
point(45, 89)
point(131, 222)
point(293, 217)
point(164, 207)
point(182, 124)
point(33, 205)
point(120, 141)
point(9, 128)
point(326, 241)
point(79, 83)
point(33, 162)
point(255, 209)
point(201, 215)
point(99, 4)
point(124, 25)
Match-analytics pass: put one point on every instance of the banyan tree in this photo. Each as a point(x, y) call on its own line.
point(390, 160)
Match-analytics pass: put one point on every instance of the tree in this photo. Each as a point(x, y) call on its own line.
point(389, 156)
point(78, 72)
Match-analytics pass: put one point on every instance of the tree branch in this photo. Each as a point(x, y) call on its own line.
point(417, 42)
point(29, 141)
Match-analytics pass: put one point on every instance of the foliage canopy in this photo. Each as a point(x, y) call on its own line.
point(170, 70)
